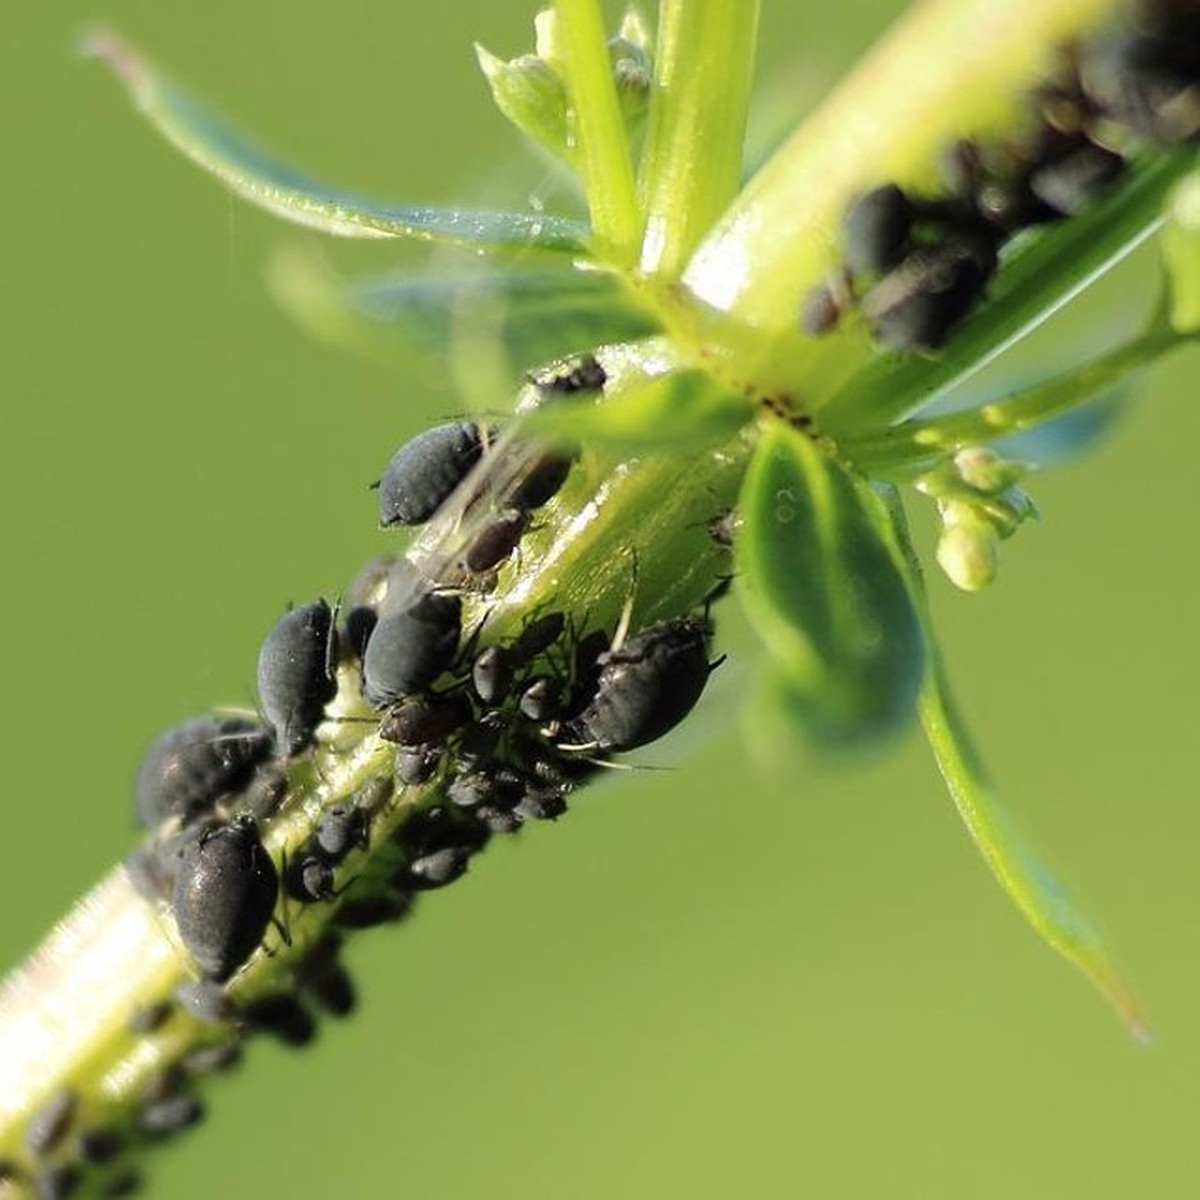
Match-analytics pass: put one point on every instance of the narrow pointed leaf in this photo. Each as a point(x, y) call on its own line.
point(528, 316)
point(823, 589)
point(1041, 898)
point(255, 176)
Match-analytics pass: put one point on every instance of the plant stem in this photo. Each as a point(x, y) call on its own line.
point(64, 1015)
point(600, 133)
point(691, 167)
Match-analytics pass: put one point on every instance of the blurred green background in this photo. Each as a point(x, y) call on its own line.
point(704, 982)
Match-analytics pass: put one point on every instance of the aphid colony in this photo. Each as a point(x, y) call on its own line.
point(495, 731)
point(915, 266)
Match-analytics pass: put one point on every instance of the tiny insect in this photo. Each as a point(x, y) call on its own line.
point(410, 647)
point(48, 1126)
point(191, 766)
point(224, 895)
point(648, 684)
point(425, 470)
point(875, 230)
point(161, 1118)
point(916, 306)
point(295, 674)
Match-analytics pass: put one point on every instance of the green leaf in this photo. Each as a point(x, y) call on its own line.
point(1029, 883)
point(520, 317)
point(648, 405)
point(821, 585)
point(255, 176)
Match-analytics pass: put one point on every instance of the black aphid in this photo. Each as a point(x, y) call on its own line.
point(579, 373)
point(1067, 183)
point(424, 720)
point(48, 1126)
point(648, 685)
point(820, 311)
point(410, 647)
point(333, 990)
point(342, 829)
point(470, 789)
point(417, 764)
point(876, 229)
point(57, 1181)
point(541, 699)
point(541, 482)
point(100, 1145)
point(149, 1017)
point(284, 1017)
point(1150, 81)
point(425, 470)
point(309, 879)
point(128, 1183)
point(918, 304)
point(478, 741)
point(150, 874)
point(224, 895)
point(295, 674)
point(373, 795)
point(496, 541)
point(161, 1118)
point(491, 674)
point(538, 636)
point(373, 910)
point(440, 867)
point(498, 820)
point(360, 620)
point(542, 804)
point(193, 764)
point(264, 795)
point(219, 1056)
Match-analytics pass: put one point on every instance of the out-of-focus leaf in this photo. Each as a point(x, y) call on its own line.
point(528, 316)
point(1181, 253)
point(255, 176)
point(821, 585)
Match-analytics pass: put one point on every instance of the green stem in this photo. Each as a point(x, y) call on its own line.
point(691, 167)
point(600, 133)
point(911, 447)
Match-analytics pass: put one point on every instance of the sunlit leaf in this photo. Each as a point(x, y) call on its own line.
point(255, 176)
point(530, 316)
point(823, 589)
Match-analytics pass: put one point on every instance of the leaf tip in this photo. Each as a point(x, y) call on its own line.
point(108, 47)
